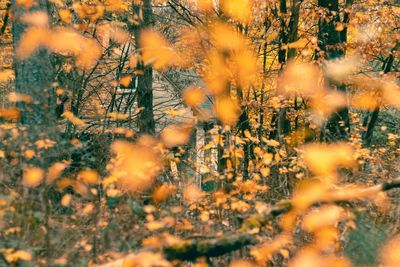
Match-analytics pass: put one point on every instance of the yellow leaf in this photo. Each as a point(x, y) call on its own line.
point(6, 75)
point(300, 78)
point(17, 97)
point(126, 80)
point(55, 171)
point(9, 114)
point(192, 193)
point(324, 159)
point(265, 171)
point(225, 37)
point(238, 9)
point(176, 135)
point(32, 177)
point(73, 119)
point(390, 252)
point(66, 200)
point(339, 27)
point(65, 16)
point(272, 143)
point(89, 176)
point(301, 43)
point(391, 93)
point(88, 209)
point(156, 50)
point(163, 192)
point(118, 116)
point(227, 110)
point(322, 217)
point(135, 165)
point(29, 153)
point(15, 256)
point(36, 18)
point(193, 96)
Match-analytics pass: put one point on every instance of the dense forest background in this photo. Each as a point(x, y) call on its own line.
point(199, 133)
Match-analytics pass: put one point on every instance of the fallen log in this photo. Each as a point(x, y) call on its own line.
point(190, 250)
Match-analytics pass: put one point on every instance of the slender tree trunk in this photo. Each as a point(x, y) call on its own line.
point(288, 34)
point(331, 41)
point(293, 28)
point(244, 125)
point(283, 37)
point(33, 76)
point(146, 123)
point(367, 135)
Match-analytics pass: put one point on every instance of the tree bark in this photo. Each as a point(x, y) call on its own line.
point(146, 123)
point(331, 43)
point(244, 125)
point(367, 135)
point(33, 76)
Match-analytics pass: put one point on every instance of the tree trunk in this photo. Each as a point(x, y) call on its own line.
point(146, 123)
point(288, 34)
point(244, 125)
point(332, 46)
point(33, 76)
point(367, 135)
point(293, 28)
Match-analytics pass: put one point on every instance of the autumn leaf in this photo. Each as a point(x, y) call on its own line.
point(89, 176)
point(227, 110)
point(324, 159)
point(73, 119)
point(32, 176)
point(175, 135)
point(6, 75)
point(240, 10)
point(300, 78)
point(136, 165)
point(193, 96)
point(14, 256)
point(301, 43)
point(156, 50)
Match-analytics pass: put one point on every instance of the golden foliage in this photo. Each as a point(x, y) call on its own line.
point(300, 78)
point(227, 110)
point(32, 177)
point(240, 10)
point(324, 159)
point(193, 193)
point(193, 96)
point(176, 135)
point(89, 176)
point(249, 164)
point(14, 256)
point(163, 192)
point(73, 119)
point(389, 254)
point(60, 40)
point(156, 50)
point(135, 165)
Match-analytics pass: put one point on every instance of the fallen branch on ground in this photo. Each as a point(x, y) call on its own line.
point(193, 249)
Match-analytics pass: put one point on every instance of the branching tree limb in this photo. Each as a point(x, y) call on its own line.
point(193, 249)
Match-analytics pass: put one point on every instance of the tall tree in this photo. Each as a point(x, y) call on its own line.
point(146, 123)
point(33, 76)
point(332, 38)
point(371, 118)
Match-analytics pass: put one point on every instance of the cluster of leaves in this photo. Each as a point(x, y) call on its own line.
point(267, 152)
